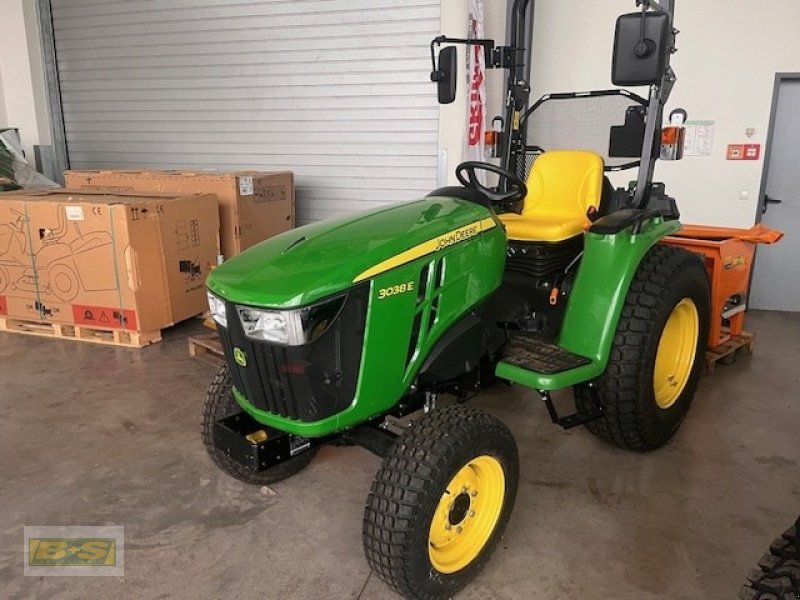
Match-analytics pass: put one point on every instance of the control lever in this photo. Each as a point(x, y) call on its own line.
point(768, 201)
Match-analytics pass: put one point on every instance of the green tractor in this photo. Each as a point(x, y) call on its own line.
point(349, 331)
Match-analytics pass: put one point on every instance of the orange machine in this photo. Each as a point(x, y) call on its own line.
point(729, 258)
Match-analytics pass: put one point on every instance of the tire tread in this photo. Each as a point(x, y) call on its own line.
point(398, 497)
point(624, 424)
point(778, 574)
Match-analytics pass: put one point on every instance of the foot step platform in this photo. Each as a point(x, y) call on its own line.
point(533, 352)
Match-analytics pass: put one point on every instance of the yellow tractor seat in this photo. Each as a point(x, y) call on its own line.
point(563, 186)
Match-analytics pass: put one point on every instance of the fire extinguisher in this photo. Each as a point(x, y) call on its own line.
point(674, 135)
point(493, 139)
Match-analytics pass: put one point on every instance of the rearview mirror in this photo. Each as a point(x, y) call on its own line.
point(446, 74)
point(641, 47)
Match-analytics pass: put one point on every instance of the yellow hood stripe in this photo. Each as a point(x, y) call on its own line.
point(434, 245)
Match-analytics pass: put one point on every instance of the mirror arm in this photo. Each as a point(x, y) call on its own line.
point(664, 6)
point(496, 57)
point(436, 74)
point(659, 95)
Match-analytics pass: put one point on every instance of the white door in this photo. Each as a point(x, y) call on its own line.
point(336, 90)
point(776, 275)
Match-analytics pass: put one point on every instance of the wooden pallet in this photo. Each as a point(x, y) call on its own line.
point(726, 353)
point(207, 347)
point(81, 333)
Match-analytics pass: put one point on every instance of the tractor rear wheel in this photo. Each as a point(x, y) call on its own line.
point(657, 353)
point(220, 403)
point(440, 502)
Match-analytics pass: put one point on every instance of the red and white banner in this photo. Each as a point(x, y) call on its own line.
point(476, 115)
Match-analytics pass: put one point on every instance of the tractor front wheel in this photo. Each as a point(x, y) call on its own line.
point(220, 403)
point(657, 354)
point(440, 502)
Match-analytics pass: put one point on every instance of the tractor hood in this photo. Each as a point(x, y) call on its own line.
point(312, 262)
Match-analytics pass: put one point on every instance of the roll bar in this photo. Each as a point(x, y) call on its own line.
point(517, 57)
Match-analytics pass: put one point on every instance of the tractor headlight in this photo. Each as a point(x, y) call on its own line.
point(290, 327)
point(282, 327)
point(216, 307)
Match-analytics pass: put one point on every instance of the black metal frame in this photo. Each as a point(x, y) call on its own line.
point(658, 97)
point(577, 418)
point(518, 84)
point(516, 58)
point(520, 27)
point(239, 436)
point(234, 434)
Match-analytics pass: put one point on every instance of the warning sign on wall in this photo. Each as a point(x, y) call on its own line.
point(699, 139)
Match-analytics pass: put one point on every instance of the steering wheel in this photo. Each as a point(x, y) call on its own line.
point(516, 188)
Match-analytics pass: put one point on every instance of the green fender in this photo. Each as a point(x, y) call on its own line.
point(595, 303)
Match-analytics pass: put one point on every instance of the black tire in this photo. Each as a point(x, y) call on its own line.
point(219, 403)
point(778, 574)
point(409, 486)
point(632, 418)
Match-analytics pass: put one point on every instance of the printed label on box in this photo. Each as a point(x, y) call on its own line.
point(104, 317)
point(246, 186)
point(74, 213)
point(271, 193)
point(127, 189)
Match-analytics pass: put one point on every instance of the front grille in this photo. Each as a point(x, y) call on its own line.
point(306, 383)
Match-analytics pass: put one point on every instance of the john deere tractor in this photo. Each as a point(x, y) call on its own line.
point(351, 331)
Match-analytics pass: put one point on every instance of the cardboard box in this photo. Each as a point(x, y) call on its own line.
point(132, 262)
point(253, 205)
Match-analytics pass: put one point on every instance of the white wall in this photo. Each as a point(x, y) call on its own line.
point(453, 117)
point(22, 92)
point(2, 102)
point(728, 56)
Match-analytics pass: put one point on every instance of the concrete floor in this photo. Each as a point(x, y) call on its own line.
point(94, 435)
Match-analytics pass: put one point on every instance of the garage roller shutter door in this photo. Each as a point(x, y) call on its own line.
point(335, 90)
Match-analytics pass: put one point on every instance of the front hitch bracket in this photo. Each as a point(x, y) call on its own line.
point(259, 447)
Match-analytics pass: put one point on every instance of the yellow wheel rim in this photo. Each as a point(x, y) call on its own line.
point(467, 514)
point(676, 353)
